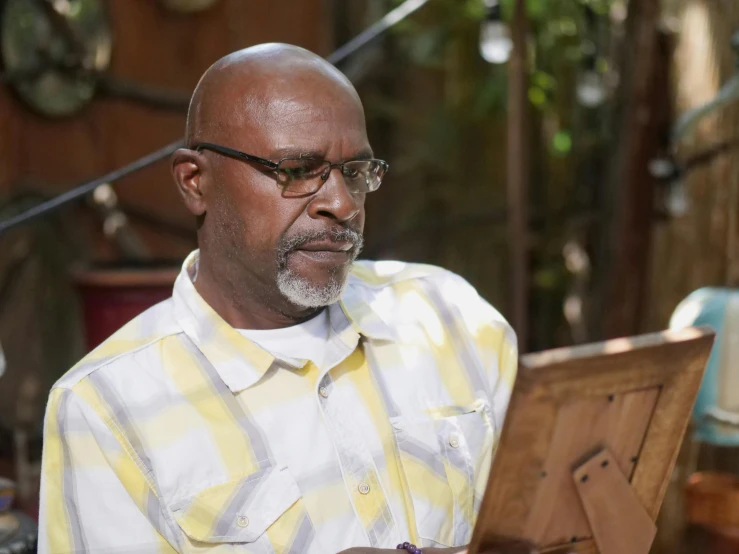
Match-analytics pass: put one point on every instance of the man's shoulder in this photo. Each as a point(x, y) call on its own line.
point(385, 285)
point(386, 273)
point(142, 332)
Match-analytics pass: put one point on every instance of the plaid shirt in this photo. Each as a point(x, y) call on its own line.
point(178, 434)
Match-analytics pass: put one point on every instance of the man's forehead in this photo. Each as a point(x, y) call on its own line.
point(302, 110)
point(299, 122)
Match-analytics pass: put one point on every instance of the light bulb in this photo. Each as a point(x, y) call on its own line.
point(495, 42)
point(677, 202)
point(591, 90)
point(662, 168)
point(105, 196)
point(573, 308)
point(495, 37)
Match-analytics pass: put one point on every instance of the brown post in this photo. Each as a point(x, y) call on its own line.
point(518, 175)
point(644, 114)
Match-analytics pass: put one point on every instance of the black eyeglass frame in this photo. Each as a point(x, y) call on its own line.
point(275, 166)
point(231, 153)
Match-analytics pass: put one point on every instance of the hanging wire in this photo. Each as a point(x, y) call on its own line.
point(376, 29)
point(365, 37)
point(86, 188)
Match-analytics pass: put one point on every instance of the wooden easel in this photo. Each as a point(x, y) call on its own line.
point(589, 443)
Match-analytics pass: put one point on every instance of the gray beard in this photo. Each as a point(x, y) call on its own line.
point(305, 294)
point(300, 291)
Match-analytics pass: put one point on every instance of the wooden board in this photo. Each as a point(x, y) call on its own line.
point(619, 421)
point(618, 521)
point(632, 396)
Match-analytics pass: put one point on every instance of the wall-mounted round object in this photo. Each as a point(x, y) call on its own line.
point(53, 50)
point(188, 6)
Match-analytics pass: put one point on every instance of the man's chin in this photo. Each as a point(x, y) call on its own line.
point(312, 285)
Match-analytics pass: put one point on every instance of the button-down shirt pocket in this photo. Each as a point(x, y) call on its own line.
point(264, 509)
point(445, 455)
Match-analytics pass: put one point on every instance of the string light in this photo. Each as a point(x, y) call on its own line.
point(675, 199)
point(677, 202)
point(591, 89)
point(495, 36)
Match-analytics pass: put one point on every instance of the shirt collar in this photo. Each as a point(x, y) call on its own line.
point(240, 362)
point(357, 307)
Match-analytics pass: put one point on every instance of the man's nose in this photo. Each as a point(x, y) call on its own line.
point(334, 200)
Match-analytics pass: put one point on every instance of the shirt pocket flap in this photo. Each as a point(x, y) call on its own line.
point(238, 511)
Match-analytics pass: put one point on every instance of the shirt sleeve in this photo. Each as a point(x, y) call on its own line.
point(489, 338)
point(94, 496)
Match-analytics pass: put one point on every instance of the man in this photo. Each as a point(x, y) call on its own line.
point(283, 400)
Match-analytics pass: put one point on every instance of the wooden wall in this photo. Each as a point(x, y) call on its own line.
point(702, 248)
point(39, 323)
point(156, 47)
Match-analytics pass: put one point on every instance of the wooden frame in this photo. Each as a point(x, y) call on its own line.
point(627, 399)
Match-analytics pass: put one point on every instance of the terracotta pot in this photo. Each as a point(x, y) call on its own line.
point(712, 501)
point(111, 297)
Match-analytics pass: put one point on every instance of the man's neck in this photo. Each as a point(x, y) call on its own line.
point(247, 306)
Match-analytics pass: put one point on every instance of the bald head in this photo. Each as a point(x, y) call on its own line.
point(270, 113)
point(240, 89)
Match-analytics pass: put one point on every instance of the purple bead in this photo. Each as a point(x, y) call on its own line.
point(410, 548)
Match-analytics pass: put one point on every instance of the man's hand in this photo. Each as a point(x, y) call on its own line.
point(500, 546)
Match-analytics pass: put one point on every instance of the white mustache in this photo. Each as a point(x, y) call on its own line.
point(344, 234)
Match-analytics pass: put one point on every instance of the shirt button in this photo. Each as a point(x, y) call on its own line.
point(323, 391)
point(364, 488)
point(453, 442)
point(242, 521)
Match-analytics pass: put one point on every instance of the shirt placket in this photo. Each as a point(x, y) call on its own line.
point(361, 476)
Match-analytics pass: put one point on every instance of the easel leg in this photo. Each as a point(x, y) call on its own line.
point(617, 519)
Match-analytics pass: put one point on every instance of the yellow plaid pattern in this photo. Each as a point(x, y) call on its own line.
point(180, 435)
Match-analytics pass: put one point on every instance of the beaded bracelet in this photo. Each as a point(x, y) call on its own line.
point(408, 547)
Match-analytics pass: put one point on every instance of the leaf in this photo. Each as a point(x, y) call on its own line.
point(543, 80)
point(562, 143)
point(537, 97)
point(474, 9)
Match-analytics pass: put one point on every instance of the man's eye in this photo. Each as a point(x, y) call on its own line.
point(301, 168)
point(296, 171)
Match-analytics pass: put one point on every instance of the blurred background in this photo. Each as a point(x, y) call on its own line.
point(576, 160)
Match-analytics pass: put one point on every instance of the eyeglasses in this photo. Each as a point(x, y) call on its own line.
point(305, 175)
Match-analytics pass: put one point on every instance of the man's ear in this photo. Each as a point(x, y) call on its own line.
point(187, 166)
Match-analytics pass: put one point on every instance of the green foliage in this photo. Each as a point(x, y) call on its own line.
point(559, 32)
point(491, 97)
point(448, 109)
point(562, 143)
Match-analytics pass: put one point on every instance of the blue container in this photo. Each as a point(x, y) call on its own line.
point(716, 412)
